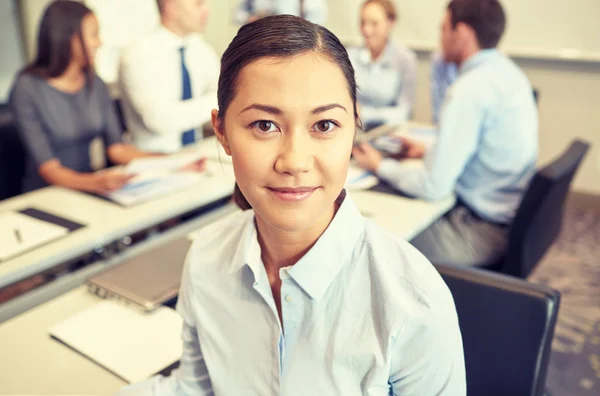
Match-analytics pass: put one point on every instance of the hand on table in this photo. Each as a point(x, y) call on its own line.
point(411, 149)
point(196, 166)
point(110, 180)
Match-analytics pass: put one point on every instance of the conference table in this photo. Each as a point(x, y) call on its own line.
point(32, 362)
point(108, 228)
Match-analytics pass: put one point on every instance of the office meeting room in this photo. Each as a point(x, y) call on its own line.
point(300, 197)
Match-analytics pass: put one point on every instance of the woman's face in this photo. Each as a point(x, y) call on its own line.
point(90, 32)
point(290, 130)
point(375, 26)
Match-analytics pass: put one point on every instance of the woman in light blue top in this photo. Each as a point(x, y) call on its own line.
point(298, 294)
point(386, 72)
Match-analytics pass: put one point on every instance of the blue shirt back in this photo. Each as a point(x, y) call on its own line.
point(487, 145)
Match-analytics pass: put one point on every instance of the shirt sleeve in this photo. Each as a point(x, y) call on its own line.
point(402, 110)
point(29, 123)
point(435, 177)
point(428, 358)
point(113, 132)
point(191, 378)
point(162, 115)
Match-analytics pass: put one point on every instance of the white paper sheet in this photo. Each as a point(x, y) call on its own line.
point(152, 185)
point(360, 179)
point(20, 233)
point(130, 344)
point(163, 164)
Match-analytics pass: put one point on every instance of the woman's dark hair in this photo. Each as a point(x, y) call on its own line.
point(62, 19)
point(280, 36)
point(486, 17)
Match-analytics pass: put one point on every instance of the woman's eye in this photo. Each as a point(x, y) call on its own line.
point(324, 126)
point(265, 126)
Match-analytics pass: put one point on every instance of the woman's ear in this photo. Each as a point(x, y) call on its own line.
point(219, 129)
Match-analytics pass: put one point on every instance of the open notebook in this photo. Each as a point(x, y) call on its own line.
point(20, 233)
point(128, 343)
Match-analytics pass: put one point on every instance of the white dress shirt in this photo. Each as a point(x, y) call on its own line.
point(387, 85)
point(152, 87)
point(487, 145)
point(364, 313)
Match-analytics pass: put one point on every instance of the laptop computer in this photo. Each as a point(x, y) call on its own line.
point(147, 280)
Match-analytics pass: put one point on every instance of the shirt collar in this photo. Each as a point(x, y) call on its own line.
point(315, 271)
point(173, 39)
point(364, 55)
point(477, 59)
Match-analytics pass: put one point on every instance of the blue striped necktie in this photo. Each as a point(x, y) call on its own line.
point(188, 137)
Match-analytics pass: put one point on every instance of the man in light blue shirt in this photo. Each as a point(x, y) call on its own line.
point(312, 10)
point(487, 145)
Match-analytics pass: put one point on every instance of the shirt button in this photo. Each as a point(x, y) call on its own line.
point(289, 298)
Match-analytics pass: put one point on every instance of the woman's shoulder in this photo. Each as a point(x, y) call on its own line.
point(26, 82)
point(99, 84)
point(218, 242)
point(407, 276)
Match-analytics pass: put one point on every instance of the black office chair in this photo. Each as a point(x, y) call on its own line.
point(507, 327)
point(539, 218)
point(12, 155)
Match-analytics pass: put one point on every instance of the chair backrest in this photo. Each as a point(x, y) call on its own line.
point(12, 155)
point(507, 327)
point(539, 218)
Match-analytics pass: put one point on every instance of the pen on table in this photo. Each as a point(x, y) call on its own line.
point(18, 235)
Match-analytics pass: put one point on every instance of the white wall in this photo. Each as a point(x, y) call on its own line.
point(31, 13)
point(11, 50)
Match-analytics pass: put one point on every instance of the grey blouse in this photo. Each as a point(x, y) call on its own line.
point(56, 124)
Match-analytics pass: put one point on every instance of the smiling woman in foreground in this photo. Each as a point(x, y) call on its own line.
point(298, 294)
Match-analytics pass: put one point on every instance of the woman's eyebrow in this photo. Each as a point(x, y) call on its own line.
point(322, 109)
point(277, 111)
point(265, 108)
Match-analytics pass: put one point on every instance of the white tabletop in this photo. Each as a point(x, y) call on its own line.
point(33, 363)
point(28, 352)
point(106, 221)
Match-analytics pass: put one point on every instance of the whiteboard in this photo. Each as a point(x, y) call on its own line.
point(547, 29)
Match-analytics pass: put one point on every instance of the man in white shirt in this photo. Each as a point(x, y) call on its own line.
point(169, 78)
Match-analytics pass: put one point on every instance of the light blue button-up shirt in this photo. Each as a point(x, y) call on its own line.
point(487, 144)
point(386, 86)
point(364, 313)
point(443, 75)
point(314, 10)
